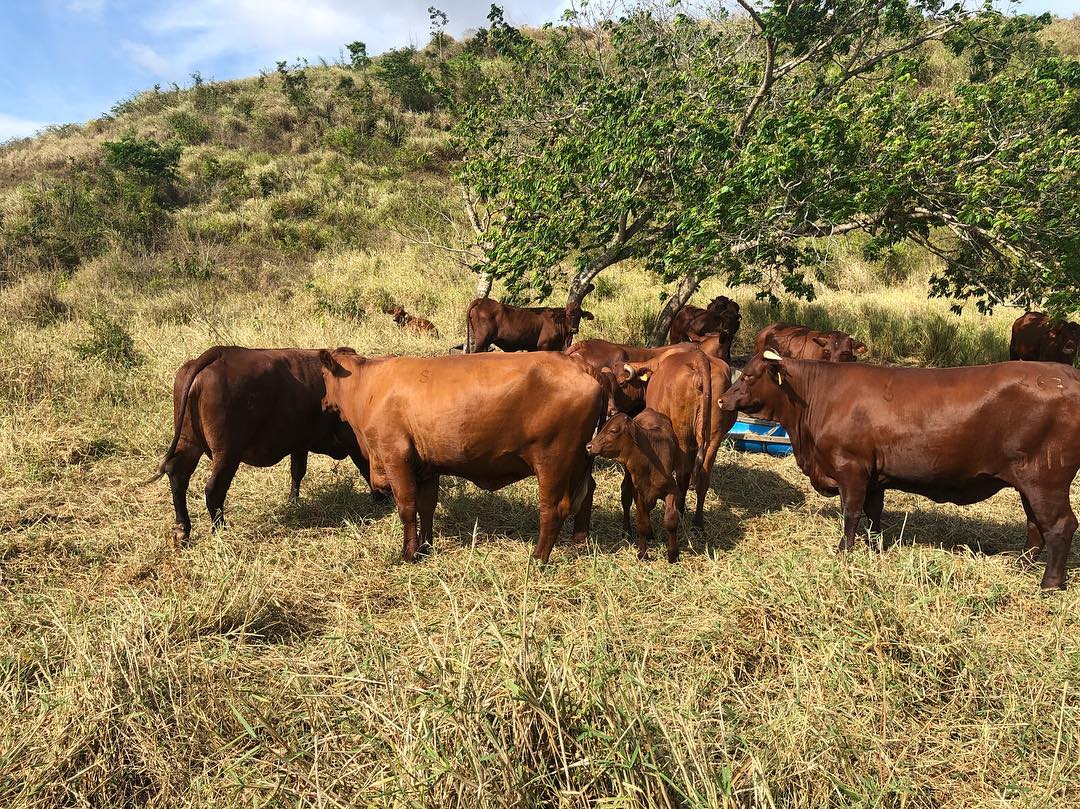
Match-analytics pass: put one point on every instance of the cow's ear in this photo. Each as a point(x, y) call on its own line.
point(860, 347)
point(587, 315)
point(330, 363)
point(821, 341)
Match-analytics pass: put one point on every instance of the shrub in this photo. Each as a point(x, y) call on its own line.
point(407, 81)
point(110, 342)
point(188, 128)
point(349, 306)
point(345, 139)
point(358, 55)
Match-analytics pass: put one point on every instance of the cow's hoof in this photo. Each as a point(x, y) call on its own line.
point(180, 536)
point(673, 557)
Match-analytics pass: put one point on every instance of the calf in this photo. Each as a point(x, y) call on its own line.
point(801, 343)
point(720, 316)
point(647, 447)
point(253, 406)
point(416, 324)
point(1035, 336)
point(493, 419)
point(858, 430)
point(513, 328)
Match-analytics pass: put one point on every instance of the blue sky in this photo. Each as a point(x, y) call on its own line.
point(71, 60)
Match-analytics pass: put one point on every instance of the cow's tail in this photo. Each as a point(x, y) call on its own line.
point(201, 363)
point(704, 416)
point(470, 336)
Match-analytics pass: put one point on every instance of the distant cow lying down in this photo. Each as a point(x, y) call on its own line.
point(647, 447)
point(253, 406)
point(492, 419)
point(956, 435)
point(802, 343)
point(513, 328)
point(1036, 336)
point(412, 323)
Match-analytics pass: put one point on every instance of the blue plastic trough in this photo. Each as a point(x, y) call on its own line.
point(758, 435)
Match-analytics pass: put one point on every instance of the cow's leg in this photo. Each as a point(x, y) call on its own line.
point(221, 477)
point(403, 483)
point(704, 478)
point(627, 500)
point(853, 483)
point(873, 505)
point(1034, 545)
point(555, 504)
point(179, 468)
point(297, 469)
point(642, 515)
point(671, 525)
point(1055, 520)
point(427, 498)
point(583, 517)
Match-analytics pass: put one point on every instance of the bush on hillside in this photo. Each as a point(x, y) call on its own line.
point(407, 80)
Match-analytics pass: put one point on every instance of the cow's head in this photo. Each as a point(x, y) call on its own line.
point(722, 304)
point(1066, 338)
point(399, 314)
point(625, 389)
point(338, 367)
point(836, 346)
point(759, 390)
point(574, 315)
point(614, 439)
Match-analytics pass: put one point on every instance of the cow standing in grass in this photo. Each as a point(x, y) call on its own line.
point(956, 435)
point(492, 419)
point(646, 446)
point(721, 316)
point(513, 328)
point(1036, 336)
point(802, 343)
point(253, 406)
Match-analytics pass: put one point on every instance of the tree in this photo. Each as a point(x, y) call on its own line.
point(358, 55)
point(705, 144)
point(438, 21)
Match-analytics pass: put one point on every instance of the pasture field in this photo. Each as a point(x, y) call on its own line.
point(293, 659)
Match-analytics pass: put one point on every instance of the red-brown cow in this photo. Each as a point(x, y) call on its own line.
point(647, 447)
point(513, 328)
point(412, 323)
point(679, 385)
point(1036, 336)
point(253, 406)
point(802, 343)
point(858, 430)
point(720, 316)
point(493, 419)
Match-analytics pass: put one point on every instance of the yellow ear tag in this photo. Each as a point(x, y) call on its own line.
point(779, 379)
point(644, 376)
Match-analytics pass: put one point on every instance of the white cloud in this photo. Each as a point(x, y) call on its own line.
point(147, 58)
point(12, 127)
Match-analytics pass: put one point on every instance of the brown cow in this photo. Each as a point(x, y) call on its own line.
point(647, 447)
point(599, 354)
point(802, 343)
point(513, 328)
point(493, 419)
point(633, 384)
point(720, 316)
point(1035, 336)
point(412, 323)
point(679, 385)
point(253, 406)
point(858, 430)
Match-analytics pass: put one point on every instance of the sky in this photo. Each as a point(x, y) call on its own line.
point(71, 60)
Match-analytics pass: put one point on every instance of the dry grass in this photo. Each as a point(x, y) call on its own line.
point(292, 659)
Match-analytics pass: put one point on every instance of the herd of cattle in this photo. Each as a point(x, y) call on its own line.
point(546, 406)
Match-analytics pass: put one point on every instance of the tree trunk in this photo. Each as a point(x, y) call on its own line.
point(581, 285)
point(483, 284)
point(687, 287)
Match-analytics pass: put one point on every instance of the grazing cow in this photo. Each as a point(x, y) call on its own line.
point(858, 430)
point(512, 328)
point(493, 419)
point(647, 447)
point(253, 406)
point(802, 343)
point(1037, 337)
point(721, 316)
point(679, 385)
point(416, 324)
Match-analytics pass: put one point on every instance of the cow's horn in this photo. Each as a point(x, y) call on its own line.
point(772, 355)
point(630, 370)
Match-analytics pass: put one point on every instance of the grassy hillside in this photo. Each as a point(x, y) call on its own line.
point(291, 659)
